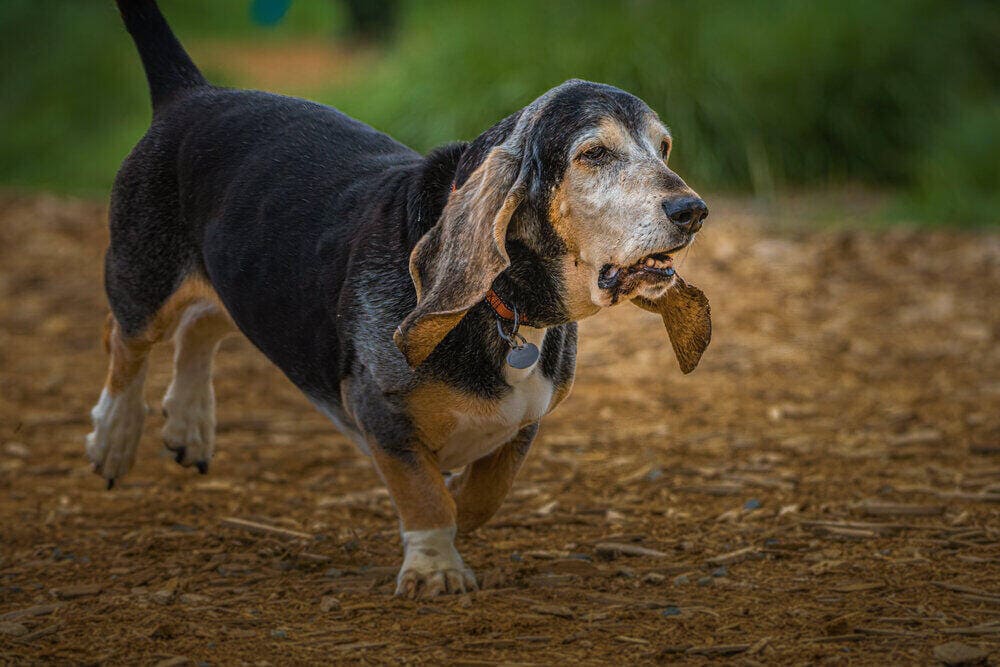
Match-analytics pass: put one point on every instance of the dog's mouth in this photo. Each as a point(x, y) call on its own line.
point(655, 268)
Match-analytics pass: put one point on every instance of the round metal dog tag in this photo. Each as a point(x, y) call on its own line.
point(523, 356)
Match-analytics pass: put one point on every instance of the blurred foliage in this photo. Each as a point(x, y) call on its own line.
point(900, 94)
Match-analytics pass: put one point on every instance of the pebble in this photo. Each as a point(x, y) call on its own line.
point(955, 654)
point(280, 633)
point(720, 571)
point(654, 578)
point(164, 596)
point(13, 629)
point(705, 581)
point(671, 611)
point(329, 603)
point(681, 579)
point(194, 598)
point(16, 449)
point(752, 504)
point(177, 661)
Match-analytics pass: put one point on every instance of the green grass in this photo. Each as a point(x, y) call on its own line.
point(763, 97)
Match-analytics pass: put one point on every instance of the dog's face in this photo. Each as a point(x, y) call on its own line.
point(580, 178)
point(605, 189)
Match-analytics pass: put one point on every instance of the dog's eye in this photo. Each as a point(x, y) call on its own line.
point(595, 153)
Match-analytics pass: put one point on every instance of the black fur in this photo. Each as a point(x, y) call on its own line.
point(303, 220)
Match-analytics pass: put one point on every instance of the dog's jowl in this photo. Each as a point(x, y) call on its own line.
point(391, 287)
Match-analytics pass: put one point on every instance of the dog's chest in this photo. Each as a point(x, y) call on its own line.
point(474, 428)
point(477, 433)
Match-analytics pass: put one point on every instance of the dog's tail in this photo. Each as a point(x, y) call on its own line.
point(169, 68)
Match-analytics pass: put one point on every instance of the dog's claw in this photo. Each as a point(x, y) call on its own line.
point(111, 483)
point(179, 454)
point(202, 467)
point(413, 584)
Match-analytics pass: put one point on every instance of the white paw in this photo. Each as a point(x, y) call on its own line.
point(118, 421)
point(432, 565)
point(189, 431)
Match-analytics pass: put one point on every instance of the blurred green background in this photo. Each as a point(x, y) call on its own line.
point(897, 97)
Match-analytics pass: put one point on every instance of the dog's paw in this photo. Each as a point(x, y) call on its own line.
point(432, 565)
point(189, 432)
point(118, 421)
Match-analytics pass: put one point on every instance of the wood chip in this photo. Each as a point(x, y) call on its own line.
point(264, 529)
point(734, 556)
point(30, 612)
point(893, 509)
point(553, 610)
point(718, 649)
point(631, 640)
point(610, 550)
point(973, 630)
point(958, 588)
point(858, 587)
point(38, 634)
point(923, 436)
point(831, 639)
point(74, 592)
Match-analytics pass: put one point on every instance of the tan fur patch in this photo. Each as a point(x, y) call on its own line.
point(417, 489)
point(129, 354)
point(481, 488)
point(433, 406)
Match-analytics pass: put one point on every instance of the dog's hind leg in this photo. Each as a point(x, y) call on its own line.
point(120, 412)
point(189, 404)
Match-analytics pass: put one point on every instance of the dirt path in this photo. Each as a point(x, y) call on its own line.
point(824, 488)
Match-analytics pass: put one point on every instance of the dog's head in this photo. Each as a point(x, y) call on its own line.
point(579, 178)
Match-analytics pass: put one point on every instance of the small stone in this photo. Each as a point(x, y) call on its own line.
point(654, 578)
point(956, 654)
point(13, 629)
point(625, 572)
point(671, 611)
point(705, 581)
point(163, 596)
point(280, 633)
point(177, 661)
point(194, 598)
point(329, 603)
point(720, 571)
point(516, 557)
point(752, 504)
point(681, 579)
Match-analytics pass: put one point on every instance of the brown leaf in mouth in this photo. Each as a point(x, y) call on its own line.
point(688, 319)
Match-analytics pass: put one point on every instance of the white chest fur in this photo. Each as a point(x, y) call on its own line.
point(476, 432)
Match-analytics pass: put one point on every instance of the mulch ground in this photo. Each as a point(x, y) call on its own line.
point(825, 488)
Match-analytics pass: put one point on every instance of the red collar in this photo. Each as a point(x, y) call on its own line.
point(502, 309)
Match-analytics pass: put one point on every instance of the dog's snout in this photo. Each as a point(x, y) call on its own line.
point(688, 213)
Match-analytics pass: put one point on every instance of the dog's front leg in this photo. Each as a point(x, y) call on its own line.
point(431, 564)
point(481, 488)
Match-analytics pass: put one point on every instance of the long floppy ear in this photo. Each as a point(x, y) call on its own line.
point(688, 320)
point(455, 263)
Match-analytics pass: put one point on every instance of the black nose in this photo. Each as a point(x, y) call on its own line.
point(688, 213)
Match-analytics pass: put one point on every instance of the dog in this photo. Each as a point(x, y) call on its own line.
point(426, 304)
